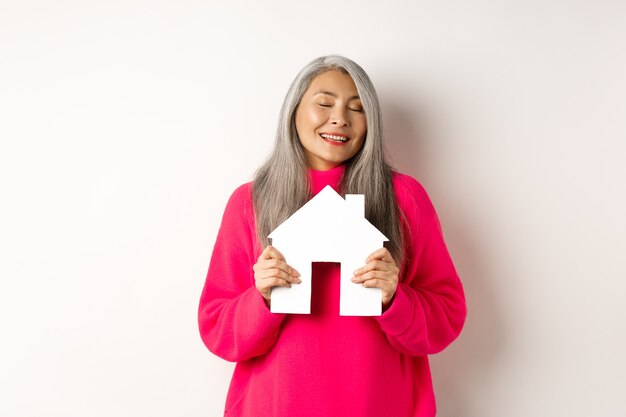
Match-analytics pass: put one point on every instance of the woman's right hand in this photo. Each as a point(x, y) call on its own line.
point(271, 271)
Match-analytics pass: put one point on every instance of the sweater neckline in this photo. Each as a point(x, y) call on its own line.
point(332, 177)
point(338, 170)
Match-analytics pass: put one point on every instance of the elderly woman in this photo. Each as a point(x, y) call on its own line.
point(324, 364)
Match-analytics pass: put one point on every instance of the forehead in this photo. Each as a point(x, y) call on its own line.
point(334, 83)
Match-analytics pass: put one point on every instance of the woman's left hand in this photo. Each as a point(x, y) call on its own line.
point(380, 271)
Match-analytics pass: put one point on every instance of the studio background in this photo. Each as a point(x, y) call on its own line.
point(126, 125)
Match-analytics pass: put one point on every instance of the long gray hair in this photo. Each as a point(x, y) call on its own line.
point(281, 185)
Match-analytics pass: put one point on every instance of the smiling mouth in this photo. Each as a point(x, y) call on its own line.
point(334, 138)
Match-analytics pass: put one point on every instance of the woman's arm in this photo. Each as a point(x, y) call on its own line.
point(428, 309)
point(234, 321)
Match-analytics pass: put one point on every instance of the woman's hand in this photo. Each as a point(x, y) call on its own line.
point(271, 271)
point(380, 271)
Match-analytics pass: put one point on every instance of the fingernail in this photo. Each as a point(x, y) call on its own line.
point(354, 279)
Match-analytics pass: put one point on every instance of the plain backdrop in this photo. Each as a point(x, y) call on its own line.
point(126, 125)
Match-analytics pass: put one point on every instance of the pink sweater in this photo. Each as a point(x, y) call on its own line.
point(324, 364)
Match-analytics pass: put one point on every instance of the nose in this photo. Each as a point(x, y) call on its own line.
point(339, 118)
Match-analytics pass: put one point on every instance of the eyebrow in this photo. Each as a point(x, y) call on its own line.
point(330, 93)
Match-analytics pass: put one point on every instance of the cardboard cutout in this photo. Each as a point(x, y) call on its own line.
point(328, 229)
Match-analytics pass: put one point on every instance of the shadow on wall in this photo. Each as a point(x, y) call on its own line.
point(416, 146)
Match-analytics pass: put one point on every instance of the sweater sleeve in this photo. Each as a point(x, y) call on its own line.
point(235, 324)
point(428, 310)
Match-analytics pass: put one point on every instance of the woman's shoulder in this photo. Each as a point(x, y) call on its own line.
point(240, 200)
point(406, 186)
point(411, 196)
point(243, 192)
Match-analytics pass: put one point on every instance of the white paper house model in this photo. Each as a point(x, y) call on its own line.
point(328, 229)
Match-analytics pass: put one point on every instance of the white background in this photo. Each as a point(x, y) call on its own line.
point(125, 126)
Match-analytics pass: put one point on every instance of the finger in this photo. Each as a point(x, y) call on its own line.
point(278, 266)
point(277, 282)
point(271, 252)
point(267, 284)
point(268, 253)
point(371, 283)
point(263, 254)
point(373, 275)
point(382, 254)
point(376, 283)
point(386, 288)
point(280, 274)
point(375, 265)
point(277, 273)
point(277, 263)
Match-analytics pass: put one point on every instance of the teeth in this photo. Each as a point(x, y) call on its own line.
point(334, 138)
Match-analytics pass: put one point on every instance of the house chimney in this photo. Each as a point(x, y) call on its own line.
point(355, 204)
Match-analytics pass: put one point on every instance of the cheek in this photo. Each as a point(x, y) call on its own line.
point(303, 124)
point(359, 124)
point(363, 126)
point(313, 118)
point(360, 144)
point(362, 139)
point(307, 121)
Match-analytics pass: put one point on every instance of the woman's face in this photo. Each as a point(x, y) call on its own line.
point(330, 120)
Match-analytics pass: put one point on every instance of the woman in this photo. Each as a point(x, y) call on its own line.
point(324, 364)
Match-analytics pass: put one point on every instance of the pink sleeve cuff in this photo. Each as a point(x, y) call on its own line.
point(260, 310)
point(399, 316)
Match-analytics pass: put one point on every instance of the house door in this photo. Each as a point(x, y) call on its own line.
point(325, 288)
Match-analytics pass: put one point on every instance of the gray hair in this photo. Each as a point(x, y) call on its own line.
point(281, 184)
